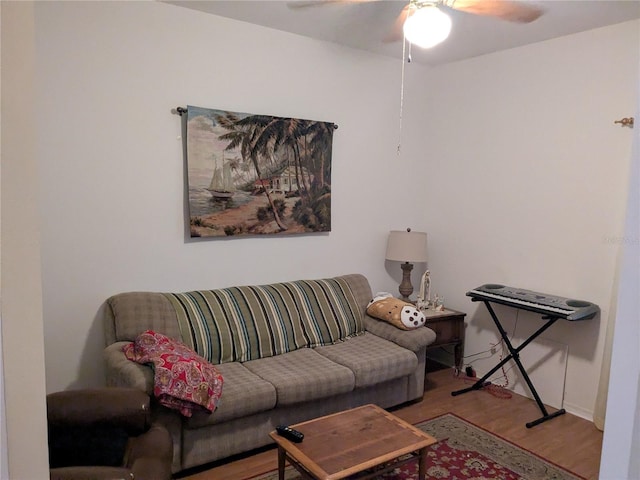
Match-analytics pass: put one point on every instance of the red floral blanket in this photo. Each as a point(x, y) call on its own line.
point(183, 380)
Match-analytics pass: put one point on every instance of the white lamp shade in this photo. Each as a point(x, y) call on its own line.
point(407, 246)
point(427, 27)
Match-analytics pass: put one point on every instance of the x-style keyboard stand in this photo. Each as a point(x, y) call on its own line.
point(514, 353)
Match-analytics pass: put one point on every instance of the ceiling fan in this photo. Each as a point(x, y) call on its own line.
point(424, 23)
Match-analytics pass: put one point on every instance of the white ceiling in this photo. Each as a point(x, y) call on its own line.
point(364, 25)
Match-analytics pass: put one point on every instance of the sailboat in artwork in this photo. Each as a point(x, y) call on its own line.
point(221, 186)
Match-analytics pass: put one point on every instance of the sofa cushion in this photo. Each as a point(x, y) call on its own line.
point(238, 324)
point(328, 309)
point(372, 359)
point(302, 376)
point(360, 288)
point(244, 394)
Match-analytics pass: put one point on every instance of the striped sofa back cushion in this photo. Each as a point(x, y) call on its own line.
point(328, 309)
point(251, 322)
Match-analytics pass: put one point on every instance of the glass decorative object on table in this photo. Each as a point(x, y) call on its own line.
point(438, 303)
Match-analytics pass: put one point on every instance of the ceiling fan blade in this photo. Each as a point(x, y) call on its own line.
point(396, 34)
point(316, 3)
point(513, 11)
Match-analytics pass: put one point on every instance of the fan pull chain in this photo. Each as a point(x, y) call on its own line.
point(404, 49)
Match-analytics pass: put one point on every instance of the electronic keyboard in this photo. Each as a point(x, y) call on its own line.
point(551, 305)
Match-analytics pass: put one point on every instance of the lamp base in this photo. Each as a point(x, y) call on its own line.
point(406, 288)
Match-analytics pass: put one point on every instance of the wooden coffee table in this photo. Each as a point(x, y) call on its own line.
point(360, 443)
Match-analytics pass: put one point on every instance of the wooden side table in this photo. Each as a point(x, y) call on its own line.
point(449, 328)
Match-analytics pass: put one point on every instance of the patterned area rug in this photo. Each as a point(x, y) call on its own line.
point(465, 451)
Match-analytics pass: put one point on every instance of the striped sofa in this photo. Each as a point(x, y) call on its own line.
point(287, 352)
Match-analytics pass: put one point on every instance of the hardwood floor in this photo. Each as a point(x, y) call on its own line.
point(567, 440)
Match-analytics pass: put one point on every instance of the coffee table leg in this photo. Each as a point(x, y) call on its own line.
point(422, 464)
point(281, 461)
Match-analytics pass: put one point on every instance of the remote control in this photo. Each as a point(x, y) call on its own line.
point(289, 433)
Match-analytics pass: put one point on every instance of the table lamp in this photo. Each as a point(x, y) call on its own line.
point(407, 247)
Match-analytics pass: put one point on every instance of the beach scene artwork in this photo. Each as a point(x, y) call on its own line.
point(257, 174)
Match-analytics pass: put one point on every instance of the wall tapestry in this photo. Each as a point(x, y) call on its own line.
point(257, 174)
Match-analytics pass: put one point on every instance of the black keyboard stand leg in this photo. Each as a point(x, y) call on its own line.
point(547, 416)
point(514, 353)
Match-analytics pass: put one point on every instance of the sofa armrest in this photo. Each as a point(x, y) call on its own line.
point(412, 340)
point(122, 372)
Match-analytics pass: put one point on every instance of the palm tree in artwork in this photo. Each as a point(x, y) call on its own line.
point(320, 135)
point(278, 133)
point(261, 137)
point(250, 136)
point(310, 143)
point(292, 131)
point(290, 134)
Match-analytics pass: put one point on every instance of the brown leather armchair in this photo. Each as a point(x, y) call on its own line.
point(106, 434)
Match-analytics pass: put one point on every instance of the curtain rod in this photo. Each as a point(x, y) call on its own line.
point(181, 111)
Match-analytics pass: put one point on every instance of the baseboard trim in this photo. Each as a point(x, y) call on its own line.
point(578, 411)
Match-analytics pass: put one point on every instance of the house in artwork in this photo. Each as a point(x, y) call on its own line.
point(287, 180)
point(260, 185)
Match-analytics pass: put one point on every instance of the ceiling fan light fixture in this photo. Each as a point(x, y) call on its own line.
point(427, 27)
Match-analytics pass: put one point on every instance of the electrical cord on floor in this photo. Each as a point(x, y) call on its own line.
point(469, 377)
point(497, 390)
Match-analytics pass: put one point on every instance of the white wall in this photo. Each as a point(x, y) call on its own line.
point(526, 181)
point(22, 315)
point(111, 167)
